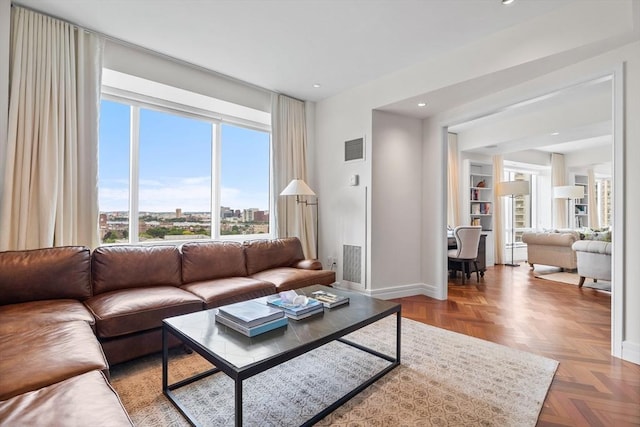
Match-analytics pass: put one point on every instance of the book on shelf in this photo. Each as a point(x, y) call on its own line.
point(297, 312)
point(330, 300)
point(254, 330)
point(250, 313)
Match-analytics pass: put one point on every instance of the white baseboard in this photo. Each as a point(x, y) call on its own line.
point(631, 352)
point(405, 291)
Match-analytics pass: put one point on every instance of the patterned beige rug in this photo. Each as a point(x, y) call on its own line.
point(556, 275)
point(446, 379)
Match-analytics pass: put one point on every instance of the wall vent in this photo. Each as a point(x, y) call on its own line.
point(354, 149)
point(351, 261)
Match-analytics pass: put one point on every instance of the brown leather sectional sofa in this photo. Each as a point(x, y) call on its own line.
point(66, 314)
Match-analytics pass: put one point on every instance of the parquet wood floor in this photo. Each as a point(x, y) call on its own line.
point(562, 322)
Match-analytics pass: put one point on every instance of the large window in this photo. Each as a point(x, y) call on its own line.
point(520, 215)
point(172, 174)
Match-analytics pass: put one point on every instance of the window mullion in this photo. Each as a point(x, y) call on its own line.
point(134, 177)
point(216, 162)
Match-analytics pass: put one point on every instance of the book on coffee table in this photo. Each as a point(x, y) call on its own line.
point(255, 330)
point(297, 312)
point(330, 300)
point(250, 313)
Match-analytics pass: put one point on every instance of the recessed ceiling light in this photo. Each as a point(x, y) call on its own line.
point(555, 133)
point(316, 85)
point(507, 1)
point(422, 104)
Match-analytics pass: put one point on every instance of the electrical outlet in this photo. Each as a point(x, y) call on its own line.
point(332, 262)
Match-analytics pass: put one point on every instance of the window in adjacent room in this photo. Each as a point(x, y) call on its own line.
point(175, 171)
point(521, 216)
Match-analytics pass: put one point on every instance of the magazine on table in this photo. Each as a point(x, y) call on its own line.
point(250, 313)
point(330, 300)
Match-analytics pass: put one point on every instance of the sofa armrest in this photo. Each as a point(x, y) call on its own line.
point(592, 246)
point(308, 264)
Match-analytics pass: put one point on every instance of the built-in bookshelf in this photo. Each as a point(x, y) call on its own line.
point(481, 195)
point(521, 208)
point(581, 206)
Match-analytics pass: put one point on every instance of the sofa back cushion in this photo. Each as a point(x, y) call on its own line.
point(134, 266)
point(212, 260)
point(265, 254)
point(550, 239)
point(42, 274)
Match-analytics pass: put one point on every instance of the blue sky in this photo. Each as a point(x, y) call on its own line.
point(175, 163)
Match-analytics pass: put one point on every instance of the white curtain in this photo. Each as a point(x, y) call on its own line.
point(289, 132)
point(498, 212)
point(558, 177)
point(592, 208)
point(453, 184)
point(50, 193)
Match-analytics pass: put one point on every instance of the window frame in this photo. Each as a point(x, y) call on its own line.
point(136, 101)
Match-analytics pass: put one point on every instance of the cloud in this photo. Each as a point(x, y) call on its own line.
point(191, 194)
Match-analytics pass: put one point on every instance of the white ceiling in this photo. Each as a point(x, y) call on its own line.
point(289, 45)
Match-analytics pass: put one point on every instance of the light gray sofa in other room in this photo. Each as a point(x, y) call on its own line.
point(594, 260)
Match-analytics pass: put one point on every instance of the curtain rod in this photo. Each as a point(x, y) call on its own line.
point(150, 51)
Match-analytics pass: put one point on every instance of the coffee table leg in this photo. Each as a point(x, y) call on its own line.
point(165, 360)
point(398, 335)
point(238, 408)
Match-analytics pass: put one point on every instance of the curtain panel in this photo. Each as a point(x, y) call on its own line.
point(289, 133)
point(499, 233)
point(50, 195)
point(592, 209)
point(453, 181)
point(558, 177)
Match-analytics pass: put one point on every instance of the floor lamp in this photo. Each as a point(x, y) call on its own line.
point(568, 192)
point(297, 187)
point(513, 189)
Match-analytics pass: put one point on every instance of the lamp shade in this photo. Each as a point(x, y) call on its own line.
point(568, 192)
point(512, 188)
point(297, 187)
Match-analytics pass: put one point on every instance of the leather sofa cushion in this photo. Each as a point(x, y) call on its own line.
point(30, 315)
point(40, 357)
point(41, 274)
point(134, 310)
point(212, 260)
point(287, 278)
point(219, 292)
point(134, 266)
point(265, 254)
point(84, 400)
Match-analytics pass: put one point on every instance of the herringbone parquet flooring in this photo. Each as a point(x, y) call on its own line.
point(562, 322)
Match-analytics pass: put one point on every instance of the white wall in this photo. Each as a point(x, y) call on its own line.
point(562, 56)
point(396, 201)
point(141, 63)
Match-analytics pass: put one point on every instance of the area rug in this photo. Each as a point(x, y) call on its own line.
point(445, 379)
point(555, 274)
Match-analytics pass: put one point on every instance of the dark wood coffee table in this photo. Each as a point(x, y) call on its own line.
point(241, 357)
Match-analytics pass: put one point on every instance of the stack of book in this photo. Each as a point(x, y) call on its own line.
point(330, 300)
point(251, 317)
point(298, 311)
